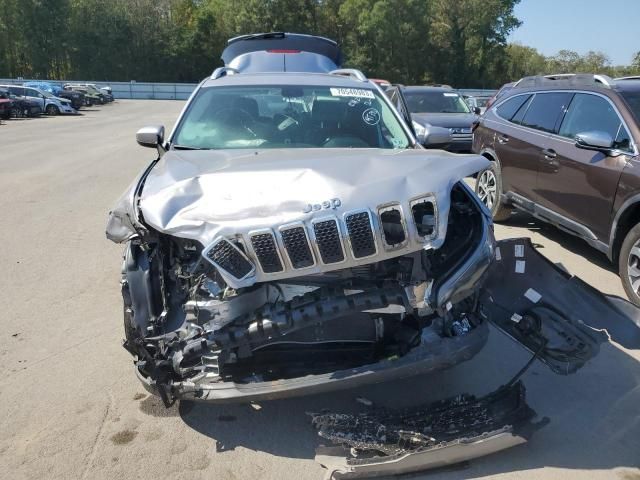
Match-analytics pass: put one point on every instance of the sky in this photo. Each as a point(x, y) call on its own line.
point(609, 26)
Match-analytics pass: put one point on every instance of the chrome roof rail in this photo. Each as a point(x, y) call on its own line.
point(222, 71)
point(571, 79)
point(350, 72)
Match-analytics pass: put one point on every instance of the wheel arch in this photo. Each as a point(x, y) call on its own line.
point(626, 218)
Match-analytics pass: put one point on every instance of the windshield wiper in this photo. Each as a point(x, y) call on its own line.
point(186, 147)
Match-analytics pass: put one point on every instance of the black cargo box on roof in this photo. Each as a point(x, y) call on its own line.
point(281, 41)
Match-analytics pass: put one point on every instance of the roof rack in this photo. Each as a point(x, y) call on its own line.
point(223, 71)
point(350, 72)
point(438, 85)
point(572, 79)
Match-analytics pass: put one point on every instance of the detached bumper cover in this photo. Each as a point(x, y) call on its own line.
point(388, 442)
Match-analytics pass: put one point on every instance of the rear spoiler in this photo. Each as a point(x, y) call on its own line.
point(281, 42)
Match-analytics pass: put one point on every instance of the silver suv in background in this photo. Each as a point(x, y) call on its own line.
point(50, 104)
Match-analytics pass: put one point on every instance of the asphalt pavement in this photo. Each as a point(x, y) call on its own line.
point(72, 408)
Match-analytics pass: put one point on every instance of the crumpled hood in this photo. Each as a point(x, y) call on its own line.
point(446, 120)
point(205, 194)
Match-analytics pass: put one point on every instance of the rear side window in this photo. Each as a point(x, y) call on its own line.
point(588, 113)
point(545, 111)
point(17, 91)
point(509, 108)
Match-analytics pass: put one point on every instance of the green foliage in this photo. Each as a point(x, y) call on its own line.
point(461, 42)
point(523, 61)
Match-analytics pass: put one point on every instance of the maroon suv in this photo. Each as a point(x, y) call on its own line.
point(565, 149)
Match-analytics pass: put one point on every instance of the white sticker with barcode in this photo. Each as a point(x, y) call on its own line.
point(520, 264)
point(352, 92)
point(516, 318)
point(498, 254)
point(519, 251)
point(532, 295)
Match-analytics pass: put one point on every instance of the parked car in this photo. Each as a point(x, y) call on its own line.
point(22, 105)
point(90, 89)
point(437, 108)
point(48, 103)
point(105, 91)
point(292, 237)
point(5, 104)
point(477, 103)
point(566, 150)
point(76, 98)
point(90, 98)
point(502, 91)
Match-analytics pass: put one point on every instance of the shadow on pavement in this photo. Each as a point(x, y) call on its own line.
point(594, 413)
point(565, 240)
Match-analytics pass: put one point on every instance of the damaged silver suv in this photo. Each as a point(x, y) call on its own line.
point(292, 238)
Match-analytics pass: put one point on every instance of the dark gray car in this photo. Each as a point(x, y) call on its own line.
point(441, 107)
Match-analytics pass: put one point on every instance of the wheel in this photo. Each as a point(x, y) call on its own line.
point(16, 112)
point(52, 110)
point(629, 264)
point(101, 100)
point(489, 189)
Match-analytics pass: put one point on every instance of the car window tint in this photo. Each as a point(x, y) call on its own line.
point(588, 113)
point(509, 108)
point(545, 110)
point(17, 91)
point(517, 118)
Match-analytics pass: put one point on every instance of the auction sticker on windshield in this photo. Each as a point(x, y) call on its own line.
point(352, 92)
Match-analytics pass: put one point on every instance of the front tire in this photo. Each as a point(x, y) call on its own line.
point(489, 190)
point(52, 110)
point(629, 264)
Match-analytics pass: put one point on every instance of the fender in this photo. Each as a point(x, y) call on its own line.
point(629, 203)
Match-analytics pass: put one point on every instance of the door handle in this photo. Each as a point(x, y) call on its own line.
point(549, 153)
point(503, 138)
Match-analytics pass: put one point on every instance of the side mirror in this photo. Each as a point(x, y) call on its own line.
point(594, 140)
point(436, 137)
point(477, 110)
point(151, 136)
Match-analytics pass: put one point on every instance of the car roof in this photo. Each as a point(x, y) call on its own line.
point(293, 79)
point(426, 88)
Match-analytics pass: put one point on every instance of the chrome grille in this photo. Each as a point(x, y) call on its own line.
point(226, 256)
point(264, 246)
point(297, 246)
point(328, 241)
point(360, 234)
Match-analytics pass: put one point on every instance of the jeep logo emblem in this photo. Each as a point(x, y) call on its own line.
point(326, 205)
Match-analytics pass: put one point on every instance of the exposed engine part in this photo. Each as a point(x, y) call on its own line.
point(187, 326)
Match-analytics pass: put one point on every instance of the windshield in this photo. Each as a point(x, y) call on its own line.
point(633, 100)
point(289, 117)
point(435, 102)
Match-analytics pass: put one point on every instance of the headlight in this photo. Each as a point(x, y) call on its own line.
point(419, 129)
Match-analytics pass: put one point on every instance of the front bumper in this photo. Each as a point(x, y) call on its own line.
point(433, 354)
point(384, 442)
point(66, 108)
point(461, 143)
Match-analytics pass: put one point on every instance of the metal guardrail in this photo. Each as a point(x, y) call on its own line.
point(165, 91)
point(125, 90)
